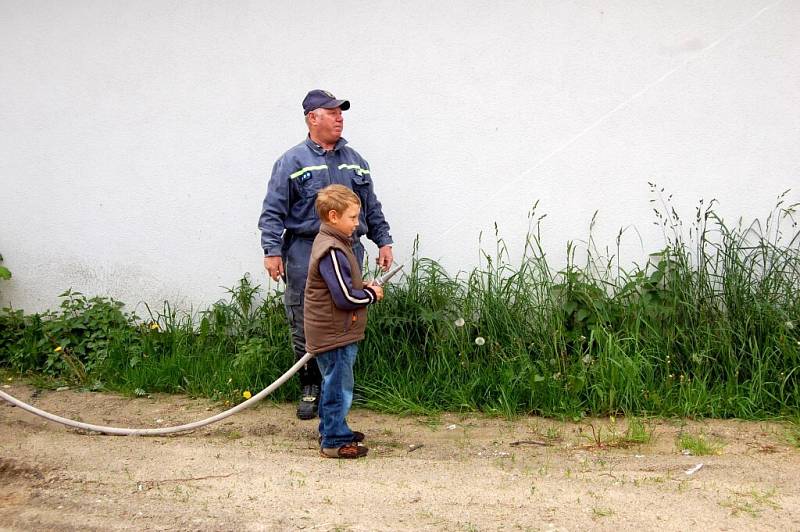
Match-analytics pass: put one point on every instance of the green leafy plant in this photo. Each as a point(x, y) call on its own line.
point(5, 273)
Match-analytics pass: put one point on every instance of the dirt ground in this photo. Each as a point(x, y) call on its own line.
point(260, 470)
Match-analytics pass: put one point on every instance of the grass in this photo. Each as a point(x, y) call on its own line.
point(698, 445)
point(637, 432)
point(751, 503)
point(709, 325)
point(793, 433)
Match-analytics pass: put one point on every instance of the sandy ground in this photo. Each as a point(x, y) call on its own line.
point(260, 470)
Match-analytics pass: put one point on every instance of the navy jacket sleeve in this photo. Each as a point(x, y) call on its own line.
point(274, 210)
point(335, 269)
point(377, 226)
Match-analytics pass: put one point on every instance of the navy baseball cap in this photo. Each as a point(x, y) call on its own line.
point(319, 98)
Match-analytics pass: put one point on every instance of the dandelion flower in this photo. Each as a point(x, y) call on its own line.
point(246, 394)
point(459, 322)
point(789, 325)
point(58, 349)
point(480, 340)
point(154, 326)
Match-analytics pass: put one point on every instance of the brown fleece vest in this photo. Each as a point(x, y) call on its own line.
point(327, 326)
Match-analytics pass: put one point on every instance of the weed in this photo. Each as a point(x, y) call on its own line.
point(698, 445)
point(751, 503)
point(602, 512)
point(233, 435)
point(793, 433)
point(638, 431)
point(553, 433)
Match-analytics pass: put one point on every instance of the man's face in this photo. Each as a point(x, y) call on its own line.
point(327, 125)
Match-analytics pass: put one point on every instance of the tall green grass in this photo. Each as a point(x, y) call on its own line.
point(708, 326)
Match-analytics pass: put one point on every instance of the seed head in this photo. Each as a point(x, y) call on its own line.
point(480, 340)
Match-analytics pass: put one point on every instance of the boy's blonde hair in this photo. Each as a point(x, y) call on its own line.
point(335, 198)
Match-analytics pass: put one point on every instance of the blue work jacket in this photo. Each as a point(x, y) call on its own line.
point(296, 178)
point(289, 220)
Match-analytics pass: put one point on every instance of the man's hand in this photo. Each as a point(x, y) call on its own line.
point(375, 287)
point(274, 267)
point(385, 259)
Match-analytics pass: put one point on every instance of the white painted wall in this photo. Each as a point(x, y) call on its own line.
point(136, 138)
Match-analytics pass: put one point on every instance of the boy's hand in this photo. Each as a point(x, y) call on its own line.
point(378, 289)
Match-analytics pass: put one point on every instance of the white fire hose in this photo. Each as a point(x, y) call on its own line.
point(178, 428)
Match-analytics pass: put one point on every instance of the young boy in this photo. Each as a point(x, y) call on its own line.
point(336, 316)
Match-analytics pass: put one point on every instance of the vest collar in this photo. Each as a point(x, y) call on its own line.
point(338, 235)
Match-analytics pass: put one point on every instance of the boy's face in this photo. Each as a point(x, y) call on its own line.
point(347, 221)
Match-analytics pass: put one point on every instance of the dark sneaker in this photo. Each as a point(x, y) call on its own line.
point(307, 407)
point(358, 437)
point(349, 450)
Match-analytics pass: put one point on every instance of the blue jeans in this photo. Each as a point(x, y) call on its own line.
point(336, 367)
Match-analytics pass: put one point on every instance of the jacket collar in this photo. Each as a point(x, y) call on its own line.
point(319, 150)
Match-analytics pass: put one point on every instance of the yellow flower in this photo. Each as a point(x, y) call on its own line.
point(246, 394)
point(154, 326)
point(59, 349)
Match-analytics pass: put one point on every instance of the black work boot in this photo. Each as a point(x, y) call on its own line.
point(307, 407)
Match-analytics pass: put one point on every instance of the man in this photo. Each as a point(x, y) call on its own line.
point(289, 221)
